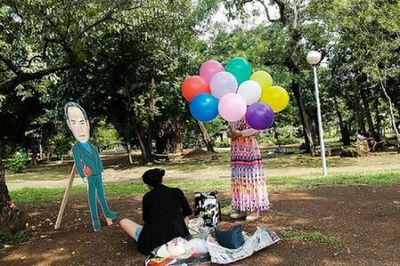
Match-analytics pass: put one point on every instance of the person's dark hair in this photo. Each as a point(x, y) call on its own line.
point(153, 177)
point(74, 104)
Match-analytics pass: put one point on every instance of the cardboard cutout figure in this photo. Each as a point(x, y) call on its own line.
point(87, 162)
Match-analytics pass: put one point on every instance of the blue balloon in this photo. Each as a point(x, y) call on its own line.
point(204, 107)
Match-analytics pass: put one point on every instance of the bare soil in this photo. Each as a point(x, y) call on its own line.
point(364, 222)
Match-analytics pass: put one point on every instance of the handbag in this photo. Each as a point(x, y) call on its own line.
point(207, 206)
point(229, 236)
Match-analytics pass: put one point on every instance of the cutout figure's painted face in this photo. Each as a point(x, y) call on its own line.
point(78, 124)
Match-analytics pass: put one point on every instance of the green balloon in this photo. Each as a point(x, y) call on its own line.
point(240, 68)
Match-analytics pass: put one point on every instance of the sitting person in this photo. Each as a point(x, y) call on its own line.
point(165, 214)
point(362, 140)
point(371, 141)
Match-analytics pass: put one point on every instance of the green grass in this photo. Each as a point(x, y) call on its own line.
point(314, 236)
point(316, 180)
point(42, 172)
point(35, 195)
point(201, 163)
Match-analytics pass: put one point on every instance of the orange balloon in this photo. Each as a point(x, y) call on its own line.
point(194, 85)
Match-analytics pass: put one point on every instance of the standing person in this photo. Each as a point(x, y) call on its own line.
point(165, 214)
point(249, 191)
point(87, 162)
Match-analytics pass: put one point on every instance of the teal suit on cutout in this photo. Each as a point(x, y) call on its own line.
point(89, 157)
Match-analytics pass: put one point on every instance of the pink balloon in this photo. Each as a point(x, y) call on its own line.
point(209, 68)
point(232, 107)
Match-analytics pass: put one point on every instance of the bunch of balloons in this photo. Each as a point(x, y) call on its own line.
point(233, 92)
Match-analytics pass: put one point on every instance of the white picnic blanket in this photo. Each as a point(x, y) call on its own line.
point(198, 250)
point(262, 238)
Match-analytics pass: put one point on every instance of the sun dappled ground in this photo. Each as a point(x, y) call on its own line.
point(345, 225)
point(346, 218)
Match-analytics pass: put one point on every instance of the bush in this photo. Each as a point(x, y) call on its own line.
point(266, 141)
point(289, 140)
point(223, 144)
point(17, 163)
point(61, 144)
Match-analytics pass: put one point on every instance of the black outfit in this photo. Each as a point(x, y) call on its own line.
point(164, 210)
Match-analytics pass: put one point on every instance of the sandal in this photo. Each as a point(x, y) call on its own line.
point(252, 217)
point(238, 215)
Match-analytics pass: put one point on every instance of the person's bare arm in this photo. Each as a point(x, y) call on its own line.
point(249, 132)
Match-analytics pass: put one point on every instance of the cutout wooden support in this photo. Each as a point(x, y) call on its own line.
point(65, 199)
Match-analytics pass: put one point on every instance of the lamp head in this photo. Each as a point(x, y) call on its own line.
point(313, 57)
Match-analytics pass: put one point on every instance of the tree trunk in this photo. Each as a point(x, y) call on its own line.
point(392, 118)
point(360, 118)
point(128, 151)
point(4, 195)
point(378, 120)
point(343, 128)
point(144, 146)
point(206, 138)
point(34, 152)
point(152, 107)
point(305, 119)
point(367, 112)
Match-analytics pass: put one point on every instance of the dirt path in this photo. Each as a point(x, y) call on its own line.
point(353, 225)
point(112, 176)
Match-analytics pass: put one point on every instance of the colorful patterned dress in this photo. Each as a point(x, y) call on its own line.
point(249, 191)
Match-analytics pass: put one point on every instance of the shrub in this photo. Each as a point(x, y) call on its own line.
point(223, 144)
point(17, 163)
point(289, 140)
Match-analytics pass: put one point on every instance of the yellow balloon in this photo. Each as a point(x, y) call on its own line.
point(262, 78)
point(276, 97)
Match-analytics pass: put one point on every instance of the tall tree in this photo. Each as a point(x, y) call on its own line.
point(288, 48)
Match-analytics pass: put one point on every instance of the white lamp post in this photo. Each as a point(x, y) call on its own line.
point(313, 58)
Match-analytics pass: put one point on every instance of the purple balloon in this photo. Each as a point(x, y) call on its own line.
point(260, 116)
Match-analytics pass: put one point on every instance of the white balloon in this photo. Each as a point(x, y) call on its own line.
point(223, 83)
point(250, 90)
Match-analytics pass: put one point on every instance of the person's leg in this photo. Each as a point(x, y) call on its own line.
point(103, 203)
point(93, 204)
point(131, 228)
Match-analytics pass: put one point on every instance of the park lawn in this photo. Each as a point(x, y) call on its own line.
point(41, 195)
point(206, 162)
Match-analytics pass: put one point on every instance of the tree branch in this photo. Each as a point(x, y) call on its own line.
point(43, 55)
point(107, 16)
point(267, 12)
point(10, 65)
point(281, 6)
point(63, 38)
point(9, 85)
